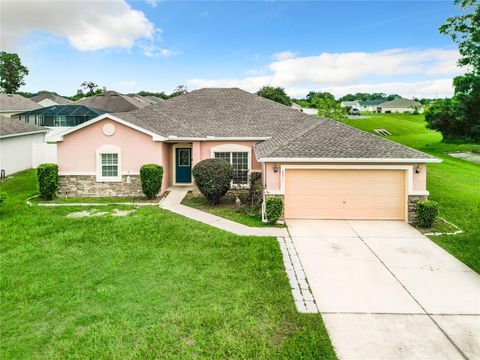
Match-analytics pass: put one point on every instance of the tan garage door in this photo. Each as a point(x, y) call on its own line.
point(344, 194)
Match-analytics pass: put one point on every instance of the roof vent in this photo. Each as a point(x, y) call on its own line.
point(382, 132)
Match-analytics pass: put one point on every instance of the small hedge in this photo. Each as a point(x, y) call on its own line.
point(47, 175)
point(427, 212)
point(273, 209)
point(151, 176)
point(3, 197)
point(213, 178)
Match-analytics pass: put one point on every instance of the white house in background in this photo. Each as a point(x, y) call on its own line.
point(11, 104)
point(18, 145)
point(355, 104)
point(46, 99)
point(308, 111)
point(401, 106)
point(370, 105)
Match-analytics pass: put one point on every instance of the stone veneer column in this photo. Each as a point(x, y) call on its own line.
point(412, 206)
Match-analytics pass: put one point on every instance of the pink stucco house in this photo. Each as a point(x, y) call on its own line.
point(322, 168)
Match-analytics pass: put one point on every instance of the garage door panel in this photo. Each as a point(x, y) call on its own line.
point(344, 194)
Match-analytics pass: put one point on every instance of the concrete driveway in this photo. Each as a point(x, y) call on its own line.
point(385, 291)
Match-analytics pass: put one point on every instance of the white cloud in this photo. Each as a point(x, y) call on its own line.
point(153, 3)
point(88, 26)
point(152, 50)
point(284, 55)
point(403, 71)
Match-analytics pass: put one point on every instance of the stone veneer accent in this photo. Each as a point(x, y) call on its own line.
point(412, 206)
point(87, 186)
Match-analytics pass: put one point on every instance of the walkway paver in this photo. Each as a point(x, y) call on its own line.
point(173, 203)
point(386, 291)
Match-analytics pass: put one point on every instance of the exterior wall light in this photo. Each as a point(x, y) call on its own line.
point(418, 169)
point(275, 167)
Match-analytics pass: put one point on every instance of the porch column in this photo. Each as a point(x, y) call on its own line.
point(196, 152)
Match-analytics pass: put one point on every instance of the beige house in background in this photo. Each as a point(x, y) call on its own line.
point(400, 106)
point(11, 104)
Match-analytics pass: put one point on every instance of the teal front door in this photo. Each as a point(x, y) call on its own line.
point(183, 165)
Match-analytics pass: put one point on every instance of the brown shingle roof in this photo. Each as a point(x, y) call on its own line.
point(326, 138)
point(114, 102)
point(11, 126)
point(235, 113)
point(401, 103)
point(15, 102)
point(51, 96)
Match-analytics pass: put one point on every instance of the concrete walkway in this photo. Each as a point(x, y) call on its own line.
point(173, 203)
point(385, 291)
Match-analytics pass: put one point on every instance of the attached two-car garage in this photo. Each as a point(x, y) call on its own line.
point(345, 194)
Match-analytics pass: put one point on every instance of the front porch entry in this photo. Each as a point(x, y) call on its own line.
point(183, 165)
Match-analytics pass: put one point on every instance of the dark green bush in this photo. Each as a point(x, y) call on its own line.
point(151, 176)
point(273, 209)
point(427, 212)
point(47, 175)
point(3, 196)
point(213, 178)
point(255, 191)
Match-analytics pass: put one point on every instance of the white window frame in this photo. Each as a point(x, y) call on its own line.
point(235, 148)
point(109, 149)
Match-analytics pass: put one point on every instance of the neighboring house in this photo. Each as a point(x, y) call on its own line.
point(401, 106)
point(114, 102)
point(49, 99)
point(322, 168)
point(370, 105)
point(309, 111)
point(11, 104)
point(17, 145)
point(59, 115)
point(353, 104)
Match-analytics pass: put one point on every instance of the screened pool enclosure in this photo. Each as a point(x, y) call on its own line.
point(59, 115)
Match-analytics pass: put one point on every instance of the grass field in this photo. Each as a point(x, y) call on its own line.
point(148, 285)
point(454, 183)
point(226, 209)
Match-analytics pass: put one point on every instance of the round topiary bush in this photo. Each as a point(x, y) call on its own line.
point(47, 175)
point(273, 209)
point(213, 178)
point(427, 212)
point(151, 176)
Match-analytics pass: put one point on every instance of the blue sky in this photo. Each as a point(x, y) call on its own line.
point(337, 46)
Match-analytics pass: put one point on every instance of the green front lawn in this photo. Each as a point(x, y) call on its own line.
point(93, 200)
point(226, 209)
point(454, 183)
point(149, 285)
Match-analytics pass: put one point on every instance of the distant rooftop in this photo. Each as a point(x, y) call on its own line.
point(15, 102)
point(51, 96)
point(114, 102)
point(66, 110)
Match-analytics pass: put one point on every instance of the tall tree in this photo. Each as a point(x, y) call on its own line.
point(90, 86)
point(328, 107)
point(277, 94)
point(12, 72)
point(459, 117)
point(179, 90)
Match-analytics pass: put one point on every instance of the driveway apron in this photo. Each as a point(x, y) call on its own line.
point(386, 291)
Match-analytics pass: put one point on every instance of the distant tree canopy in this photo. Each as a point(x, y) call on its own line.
point(160, 94)
point(328, 107)
point(277, 94)
point(368, 96)
point(458, 118)
point(12, 72)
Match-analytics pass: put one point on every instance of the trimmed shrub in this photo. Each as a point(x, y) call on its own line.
point(427, 212)
point(151, 176)
point(273, 209)
point(3, 197)
point(47, 175)
point(213, 178)
point(255, 191)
